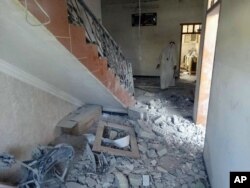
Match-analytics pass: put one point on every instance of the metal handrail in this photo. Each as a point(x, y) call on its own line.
point(80, 14)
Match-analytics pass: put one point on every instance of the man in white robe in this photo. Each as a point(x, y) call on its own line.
point(168, 62)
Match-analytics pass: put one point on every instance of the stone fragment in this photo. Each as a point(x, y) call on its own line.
point(135, 180)
point(184, 186)
point(153, 162)
point(121, 180)
point(113, 134)
point(73, 185)
point(90, 182)
point(151, 153)
point(135, 113)
point(162, 151)
point(156, 175)
point(161, 169)
point(145, 180)
point(148, 94)
point(199, 184)
point(159, 185)
point(145, 134)
point(82, 179)
point(142, 148)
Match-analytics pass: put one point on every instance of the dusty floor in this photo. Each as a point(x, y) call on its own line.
point(170, 144)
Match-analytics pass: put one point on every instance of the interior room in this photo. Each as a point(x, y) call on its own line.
point(124, 93)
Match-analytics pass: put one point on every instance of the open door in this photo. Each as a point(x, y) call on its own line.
point(190, 44)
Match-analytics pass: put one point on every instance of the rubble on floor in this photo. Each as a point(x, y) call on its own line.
point(170, 160)
point(170, 149)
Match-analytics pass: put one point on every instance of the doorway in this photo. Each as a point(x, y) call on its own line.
point(212, 21)
point(189, 50)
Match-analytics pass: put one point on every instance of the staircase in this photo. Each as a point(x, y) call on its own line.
point(78, 30)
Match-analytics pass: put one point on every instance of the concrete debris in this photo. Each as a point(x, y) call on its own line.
point(151, 153)
point(90, 138)
point(6, 160)
point(161, 152)
point(74, 185)
point(164, 150)
point(136, 113)
point(88, 157)
point(79, 121)
point(135, 180)
point(121, 180)
point(99, 145)
point(91, 182)
point(153, 162)
point(145, 180)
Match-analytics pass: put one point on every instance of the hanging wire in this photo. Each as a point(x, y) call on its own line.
point(43, 11)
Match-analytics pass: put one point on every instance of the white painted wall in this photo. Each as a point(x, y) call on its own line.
point(152, 38)
point(28, 118)
point(228, 127)
point(95, 7)
point(37, 52)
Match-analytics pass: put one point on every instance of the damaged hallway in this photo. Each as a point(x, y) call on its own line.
point(74, 72)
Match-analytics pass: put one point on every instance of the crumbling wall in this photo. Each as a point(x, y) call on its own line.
point(228, 126)
point(28, 117)
point(144, 50)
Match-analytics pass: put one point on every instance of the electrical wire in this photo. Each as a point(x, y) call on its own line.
point(43, 11)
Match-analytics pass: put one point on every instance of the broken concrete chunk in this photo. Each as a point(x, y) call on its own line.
point(145, 126)
point(151, 153)
point(136, 113)
point(161, 169)
point(90, 138)
point(161, 152)
point(135, 180)
point(121, 180)
point(142, 148)
point(90, 182)
point(199, 184)
point(147, 135)
point(145, 180)
point(79, 121)
point(153, 162)
point(73, 185)
point(113, 134)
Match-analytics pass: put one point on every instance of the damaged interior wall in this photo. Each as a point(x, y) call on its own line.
point(144, 53)
point(28, 117)
point(227, 136)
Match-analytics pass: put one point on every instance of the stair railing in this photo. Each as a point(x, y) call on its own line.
point(80, 14)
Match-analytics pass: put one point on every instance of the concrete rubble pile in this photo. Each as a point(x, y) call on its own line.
point(170, 149)
point(172, 159)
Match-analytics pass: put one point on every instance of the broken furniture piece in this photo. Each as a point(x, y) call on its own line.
point(99, 143)
point(49, 165)
point(79, 121)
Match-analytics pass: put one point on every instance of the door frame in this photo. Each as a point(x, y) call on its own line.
point(183, 33)
point(211, 6)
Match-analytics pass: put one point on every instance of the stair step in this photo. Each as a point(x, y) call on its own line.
point(93, 65)
point(78, 40)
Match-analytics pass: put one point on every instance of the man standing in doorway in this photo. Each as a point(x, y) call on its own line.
point(167, 66)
